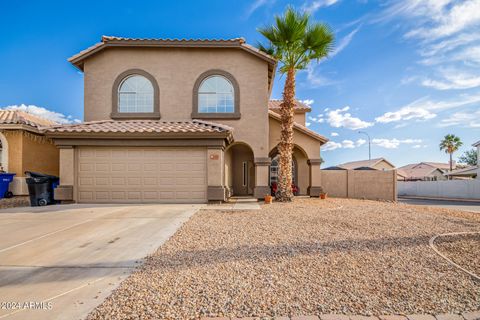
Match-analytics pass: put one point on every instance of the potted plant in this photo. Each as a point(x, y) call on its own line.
point(323, 194)
point(268, 199)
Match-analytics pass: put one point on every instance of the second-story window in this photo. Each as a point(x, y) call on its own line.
point(135, 95)
point(216, 95)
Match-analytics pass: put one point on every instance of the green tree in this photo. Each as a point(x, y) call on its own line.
point(469, 157)
point(450, 144)
point(295, 41)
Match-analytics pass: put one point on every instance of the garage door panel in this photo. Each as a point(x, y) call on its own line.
point(141, 175)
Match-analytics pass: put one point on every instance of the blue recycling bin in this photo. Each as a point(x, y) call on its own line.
point(5, 179)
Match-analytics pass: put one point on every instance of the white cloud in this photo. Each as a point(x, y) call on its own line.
point(406, 113)
point(308, 102)
point(348, 144)
point(345, 144)
point(465, 119)
point(341, 118)
point(394, 143)
point(446, 33)
point(312, 6)
point(308, 124)
point(315, 79)
point(453, 79)
point(256, 5)
point(334, 134)
point(331, 145)
point(342, 44)
point(425, 108)
point(360, 142)
point(42, 112)
point(315, 119)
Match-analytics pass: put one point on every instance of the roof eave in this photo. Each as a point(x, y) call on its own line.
point(25, 127)
point(78, 59)
point(302, 129)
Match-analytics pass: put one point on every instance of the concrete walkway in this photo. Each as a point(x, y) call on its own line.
point(237, 204)
point(59, 262)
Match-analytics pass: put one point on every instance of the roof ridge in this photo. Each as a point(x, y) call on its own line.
point(106, 38)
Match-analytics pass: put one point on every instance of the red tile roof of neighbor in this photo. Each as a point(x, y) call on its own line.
point(18, 117)
point(363, 163)
point(141, 126)
point(274, 105)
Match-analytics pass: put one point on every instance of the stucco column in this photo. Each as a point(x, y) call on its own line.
point(64, 191)
point(315, 186)
point(262, 185)
point(215, 174)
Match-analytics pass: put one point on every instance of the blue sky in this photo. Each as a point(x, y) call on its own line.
point(407, 72)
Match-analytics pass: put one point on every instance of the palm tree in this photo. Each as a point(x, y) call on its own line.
point(295, 41)
point(450, 144)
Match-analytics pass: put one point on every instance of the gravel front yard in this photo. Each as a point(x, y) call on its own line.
point(19, 201)
point(464, 250)
point(307, 257)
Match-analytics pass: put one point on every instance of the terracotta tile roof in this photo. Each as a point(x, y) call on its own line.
point(419, 173)
point(141, 126)
point(12, 117)
point(301, 128)
point(363, 163)
point(274, 105)
point(439, 165)
point(160, 42)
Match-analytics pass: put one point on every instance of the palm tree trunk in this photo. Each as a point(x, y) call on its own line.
point(285, 147)
point(451, 165)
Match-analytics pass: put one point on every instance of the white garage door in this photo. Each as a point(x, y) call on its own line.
point(141, 175)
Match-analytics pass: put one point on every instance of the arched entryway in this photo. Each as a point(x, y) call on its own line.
point(3, 152)
point(239, 169)
point(300, 169)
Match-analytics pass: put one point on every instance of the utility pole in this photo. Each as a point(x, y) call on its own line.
point(369, 144)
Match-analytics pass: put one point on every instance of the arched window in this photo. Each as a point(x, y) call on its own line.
point(216, 95)
point(135, 95)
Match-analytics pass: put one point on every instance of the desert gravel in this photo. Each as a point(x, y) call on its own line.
point(311, 256)
point(18, 201)
point(464, 250)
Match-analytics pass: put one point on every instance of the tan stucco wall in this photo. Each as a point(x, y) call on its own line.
point(359, 184)
point(176, 70)
point(15, 151)
point(40, 156)
point(309, 145)
point(300, 118)
point(28, 154)
point(383, 165)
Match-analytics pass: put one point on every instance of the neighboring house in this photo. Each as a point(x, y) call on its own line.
point(377, 164)
point(423, 171)
point(178, 121)
point(25, 148)
point(468, 172)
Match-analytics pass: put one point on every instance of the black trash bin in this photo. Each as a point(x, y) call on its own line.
point(40, 188)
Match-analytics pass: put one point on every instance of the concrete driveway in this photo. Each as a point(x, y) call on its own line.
point(59, 262)
point(470, 206)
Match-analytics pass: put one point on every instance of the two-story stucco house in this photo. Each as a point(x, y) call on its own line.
point(178, 121)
